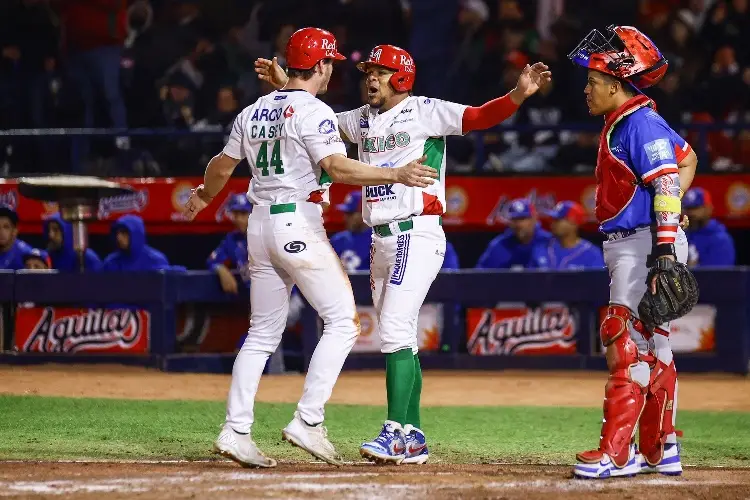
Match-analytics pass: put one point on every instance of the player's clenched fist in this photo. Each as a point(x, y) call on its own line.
point(198, 200)
point(416, 174)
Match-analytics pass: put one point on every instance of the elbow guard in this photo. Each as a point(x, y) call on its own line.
point(667, 203)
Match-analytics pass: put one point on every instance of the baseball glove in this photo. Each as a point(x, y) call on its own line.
point(676, 293)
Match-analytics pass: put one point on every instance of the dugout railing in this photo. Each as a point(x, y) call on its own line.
point(160, 293)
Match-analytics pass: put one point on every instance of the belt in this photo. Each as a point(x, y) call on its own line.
point(618, 235)
point(401, 227)
point(283, 208)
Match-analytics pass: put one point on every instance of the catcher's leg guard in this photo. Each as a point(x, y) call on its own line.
point(657, 420)
point(625, 392)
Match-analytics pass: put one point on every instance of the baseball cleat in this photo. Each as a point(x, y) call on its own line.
point(416, 446)
point(669, 465)
point(311, 438)
point(241, 448)
point(388, 448)
point(605, 468)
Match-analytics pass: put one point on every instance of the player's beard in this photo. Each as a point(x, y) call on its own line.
point(376, 101)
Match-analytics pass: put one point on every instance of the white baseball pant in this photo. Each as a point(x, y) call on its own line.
point(287, 248)
point(402, 269)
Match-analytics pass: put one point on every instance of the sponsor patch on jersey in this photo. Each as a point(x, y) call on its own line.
point(427, 101)
point(279, 98)
point(333, 139)
point(326, 126)
point(402, 254)
point(295, 247)
point(658, 150)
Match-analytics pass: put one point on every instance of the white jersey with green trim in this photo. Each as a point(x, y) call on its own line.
point(415, 127)
point(284, 135)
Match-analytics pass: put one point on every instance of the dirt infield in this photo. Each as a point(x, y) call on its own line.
point(219, 479)
point(441, 388)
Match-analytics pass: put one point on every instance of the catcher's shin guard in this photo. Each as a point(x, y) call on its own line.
point(625, 392)
point(657, 420)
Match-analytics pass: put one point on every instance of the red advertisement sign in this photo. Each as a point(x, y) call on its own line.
point(514, 330)
point(73, 330)
point(474, 203)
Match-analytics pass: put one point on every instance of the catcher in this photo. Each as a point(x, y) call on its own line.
point(641, 167)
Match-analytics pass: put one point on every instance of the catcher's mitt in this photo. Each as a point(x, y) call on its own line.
point(676, 293)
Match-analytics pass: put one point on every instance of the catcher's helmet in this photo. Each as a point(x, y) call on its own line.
point(307, 46)
point(397, 59)
point(627, 54)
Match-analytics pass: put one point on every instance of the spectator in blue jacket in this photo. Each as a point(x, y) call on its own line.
point(567, 250)
point(353, 244)
point(232, 251)
point(36, 259)
point(12, 249)
point(133, 254)
point(512, 249)
point(60, 247)
point(709, 242)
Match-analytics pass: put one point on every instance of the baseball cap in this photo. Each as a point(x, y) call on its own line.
point(8, 212)
point(37, 254)
point(352, 202)
point(239, 203)
point(696, 198)
point(569, 210)
point(520, 209)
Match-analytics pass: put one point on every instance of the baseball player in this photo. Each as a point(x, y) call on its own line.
point(232, 251)
point(291, 141)
point(513, 248)
point(567, 250)
point(709, 242)
point(353, 245)
point(639, 174)
point(408, 244)
point(12, 250)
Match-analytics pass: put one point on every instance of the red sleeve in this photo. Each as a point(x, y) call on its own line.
point(680, 153)
point(488, 114)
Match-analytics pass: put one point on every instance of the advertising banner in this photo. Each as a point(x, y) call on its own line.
point(79, 330)
point(429, 326)
point(516, 329)
point(474, 203)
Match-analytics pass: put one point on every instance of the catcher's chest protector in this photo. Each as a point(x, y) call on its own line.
point(615, 181)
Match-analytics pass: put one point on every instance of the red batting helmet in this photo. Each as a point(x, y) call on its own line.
point(397, 59)
point(307, 46)
point(627, 54)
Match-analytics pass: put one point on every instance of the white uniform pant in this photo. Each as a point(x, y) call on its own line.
point(628, 261)
point(402, 269)
point(285, 249)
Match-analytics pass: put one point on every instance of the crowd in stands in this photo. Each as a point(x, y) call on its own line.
point(188, 64)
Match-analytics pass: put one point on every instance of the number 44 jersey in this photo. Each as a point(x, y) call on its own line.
point(284, 135)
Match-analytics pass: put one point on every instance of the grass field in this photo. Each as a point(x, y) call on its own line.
point(48, 428)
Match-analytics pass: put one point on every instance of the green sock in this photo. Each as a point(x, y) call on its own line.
point(399, 380)
point(412, 412)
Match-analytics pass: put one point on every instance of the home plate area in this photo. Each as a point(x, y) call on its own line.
point(219, 480)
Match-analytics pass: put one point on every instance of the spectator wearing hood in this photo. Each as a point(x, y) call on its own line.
point(133, 254)
point(514, 247)
point(12, 249)
point(709, 242)
point(60, 247)
point(232, 251)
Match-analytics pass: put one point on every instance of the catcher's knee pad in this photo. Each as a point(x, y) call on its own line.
point(657, 420)
point(624, 394)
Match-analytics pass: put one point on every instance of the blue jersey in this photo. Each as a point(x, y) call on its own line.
point(353, 249)
point(584, 255)
point(506, 252)
point(231, 252)
point(648, 146)
point(13, 258)
point(451, 257)
point(710, 245)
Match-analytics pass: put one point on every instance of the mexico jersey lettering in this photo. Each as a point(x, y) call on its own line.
point(416, 127)
point(284, 135)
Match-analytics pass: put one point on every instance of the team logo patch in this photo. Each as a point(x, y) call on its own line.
point(279, 98)
point(326, 127)
point(295, 247)
point(658, 150)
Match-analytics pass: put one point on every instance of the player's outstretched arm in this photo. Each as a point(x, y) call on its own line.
point(269, 71)
point(494, 112)
point(347, 171)
point(218, 172)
